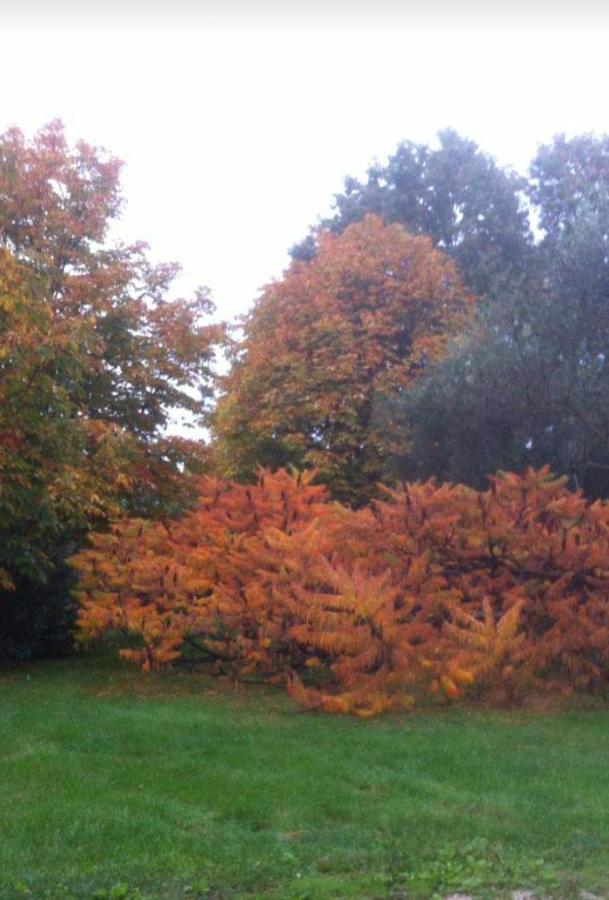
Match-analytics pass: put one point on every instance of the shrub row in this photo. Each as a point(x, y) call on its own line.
point(435, 588)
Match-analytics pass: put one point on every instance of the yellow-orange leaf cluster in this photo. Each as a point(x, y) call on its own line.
point(437, 587)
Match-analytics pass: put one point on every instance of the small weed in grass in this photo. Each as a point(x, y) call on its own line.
point(472, 867)
point(118, 892)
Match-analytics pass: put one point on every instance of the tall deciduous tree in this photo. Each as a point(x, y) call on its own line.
point(94, 362)
point(471, 208)
point(531, 386)
point(58, 204)
point(567, 175)
point(326, 345)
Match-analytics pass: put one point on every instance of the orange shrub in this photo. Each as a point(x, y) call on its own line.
point(437, 587)
point(197, 584)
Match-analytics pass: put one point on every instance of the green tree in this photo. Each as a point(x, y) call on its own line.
point(471, 208)
point(530, 385)
point(568, 176)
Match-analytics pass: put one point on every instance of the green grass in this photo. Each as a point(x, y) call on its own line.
point(117, 785)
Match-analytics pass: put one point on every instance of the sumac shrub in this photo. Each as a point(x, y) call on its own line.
point(436, 588)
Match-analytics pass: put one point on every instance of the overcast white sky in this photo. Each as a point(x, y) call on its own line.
point(237, 126)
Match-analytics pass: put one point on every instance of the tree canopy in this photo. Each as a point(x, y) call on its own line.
point(327, 345)
point(471, 208)
point(94, 361)
point(530, 384)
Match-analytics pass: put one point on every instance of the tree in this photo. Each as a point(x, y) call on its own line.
point(565, 176)
point(94, 362)
point(59, 472)
point(58, 203)
point(531, 385)
point(483, 408)
point(324, 347)
point(472, 209)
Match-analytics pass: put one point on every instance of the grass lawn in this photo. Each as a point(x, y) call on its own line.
point(119, 785)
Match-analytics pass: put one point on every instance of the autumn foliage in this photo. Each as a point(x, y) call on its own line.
point(327, 346)
point(139, 354)
point(435, 588)
point(95, 362)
